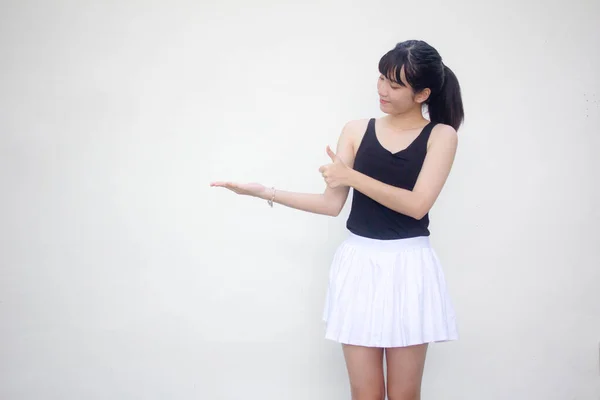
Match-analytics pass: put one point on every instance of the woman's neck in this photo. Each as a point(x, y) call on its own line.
point(410, 120)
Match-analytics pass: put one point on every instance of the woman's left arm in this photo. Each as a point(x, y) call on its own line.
point(433, 175)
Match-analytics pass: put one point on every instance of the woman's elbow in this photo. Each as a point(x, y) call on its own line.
point(334, 212)
point(419, 216)
point(421, 209)
point(334, 206)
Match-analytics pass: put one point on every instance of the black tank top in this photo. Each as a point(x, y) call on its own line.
point(371, 219)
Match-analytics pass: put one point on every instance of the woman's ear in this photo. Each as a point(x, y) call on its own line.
point(423, 95)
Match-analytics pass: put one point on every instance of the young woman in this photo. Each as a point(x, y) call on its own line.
point(387, 291)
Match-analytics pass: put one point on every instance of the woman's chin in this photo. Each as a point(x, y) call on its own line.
point(385, 108)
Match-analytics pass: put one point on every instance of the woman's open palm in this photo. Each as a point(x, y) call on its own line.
point(247, 189)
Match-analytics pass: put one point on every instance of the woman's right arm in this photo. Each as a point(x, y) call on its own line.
point(331, 201)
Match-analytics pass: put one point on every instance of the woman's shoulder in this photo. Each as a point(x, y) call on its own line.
point(356, 128)
point(357, 125)
point(354, 131)
point(442, 133)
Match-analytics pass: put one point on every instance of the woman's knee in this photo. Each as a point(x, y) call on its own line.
point(408, 392)
point(368, 393)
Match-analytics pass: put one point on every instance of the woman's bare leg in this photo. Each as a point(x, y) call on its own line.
point(365, 370)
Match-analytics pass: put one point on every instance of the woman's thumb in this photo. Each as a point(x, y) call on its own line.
point(331, 154)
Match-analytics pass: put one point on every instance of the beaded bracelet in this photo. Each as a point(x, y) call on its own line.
point(272, 198)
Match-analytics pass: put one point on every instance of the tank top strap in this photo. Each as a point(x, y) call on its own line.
point(370, 133)
point(368, 139)
point(423, 138)
point(427, 131)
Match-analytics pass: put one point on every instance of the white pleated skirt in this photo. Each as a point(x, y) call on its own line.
point(388, 293)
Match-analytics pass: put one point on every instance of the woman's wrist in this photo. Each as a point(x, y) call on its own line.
point(266, 194)
point(351, 177)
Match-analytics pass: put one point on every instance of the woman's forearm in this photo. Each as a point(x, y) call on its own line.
point(315, 203)
point(400, 200)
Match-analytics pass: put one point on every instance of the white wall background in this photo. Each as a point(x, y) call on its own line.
point(123, 275)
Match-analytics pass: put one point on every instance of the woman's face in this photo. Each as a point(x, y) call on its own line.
point(396, 98)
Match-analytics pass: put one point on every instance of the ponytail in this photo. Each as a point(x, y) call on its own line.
point(446, 106)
